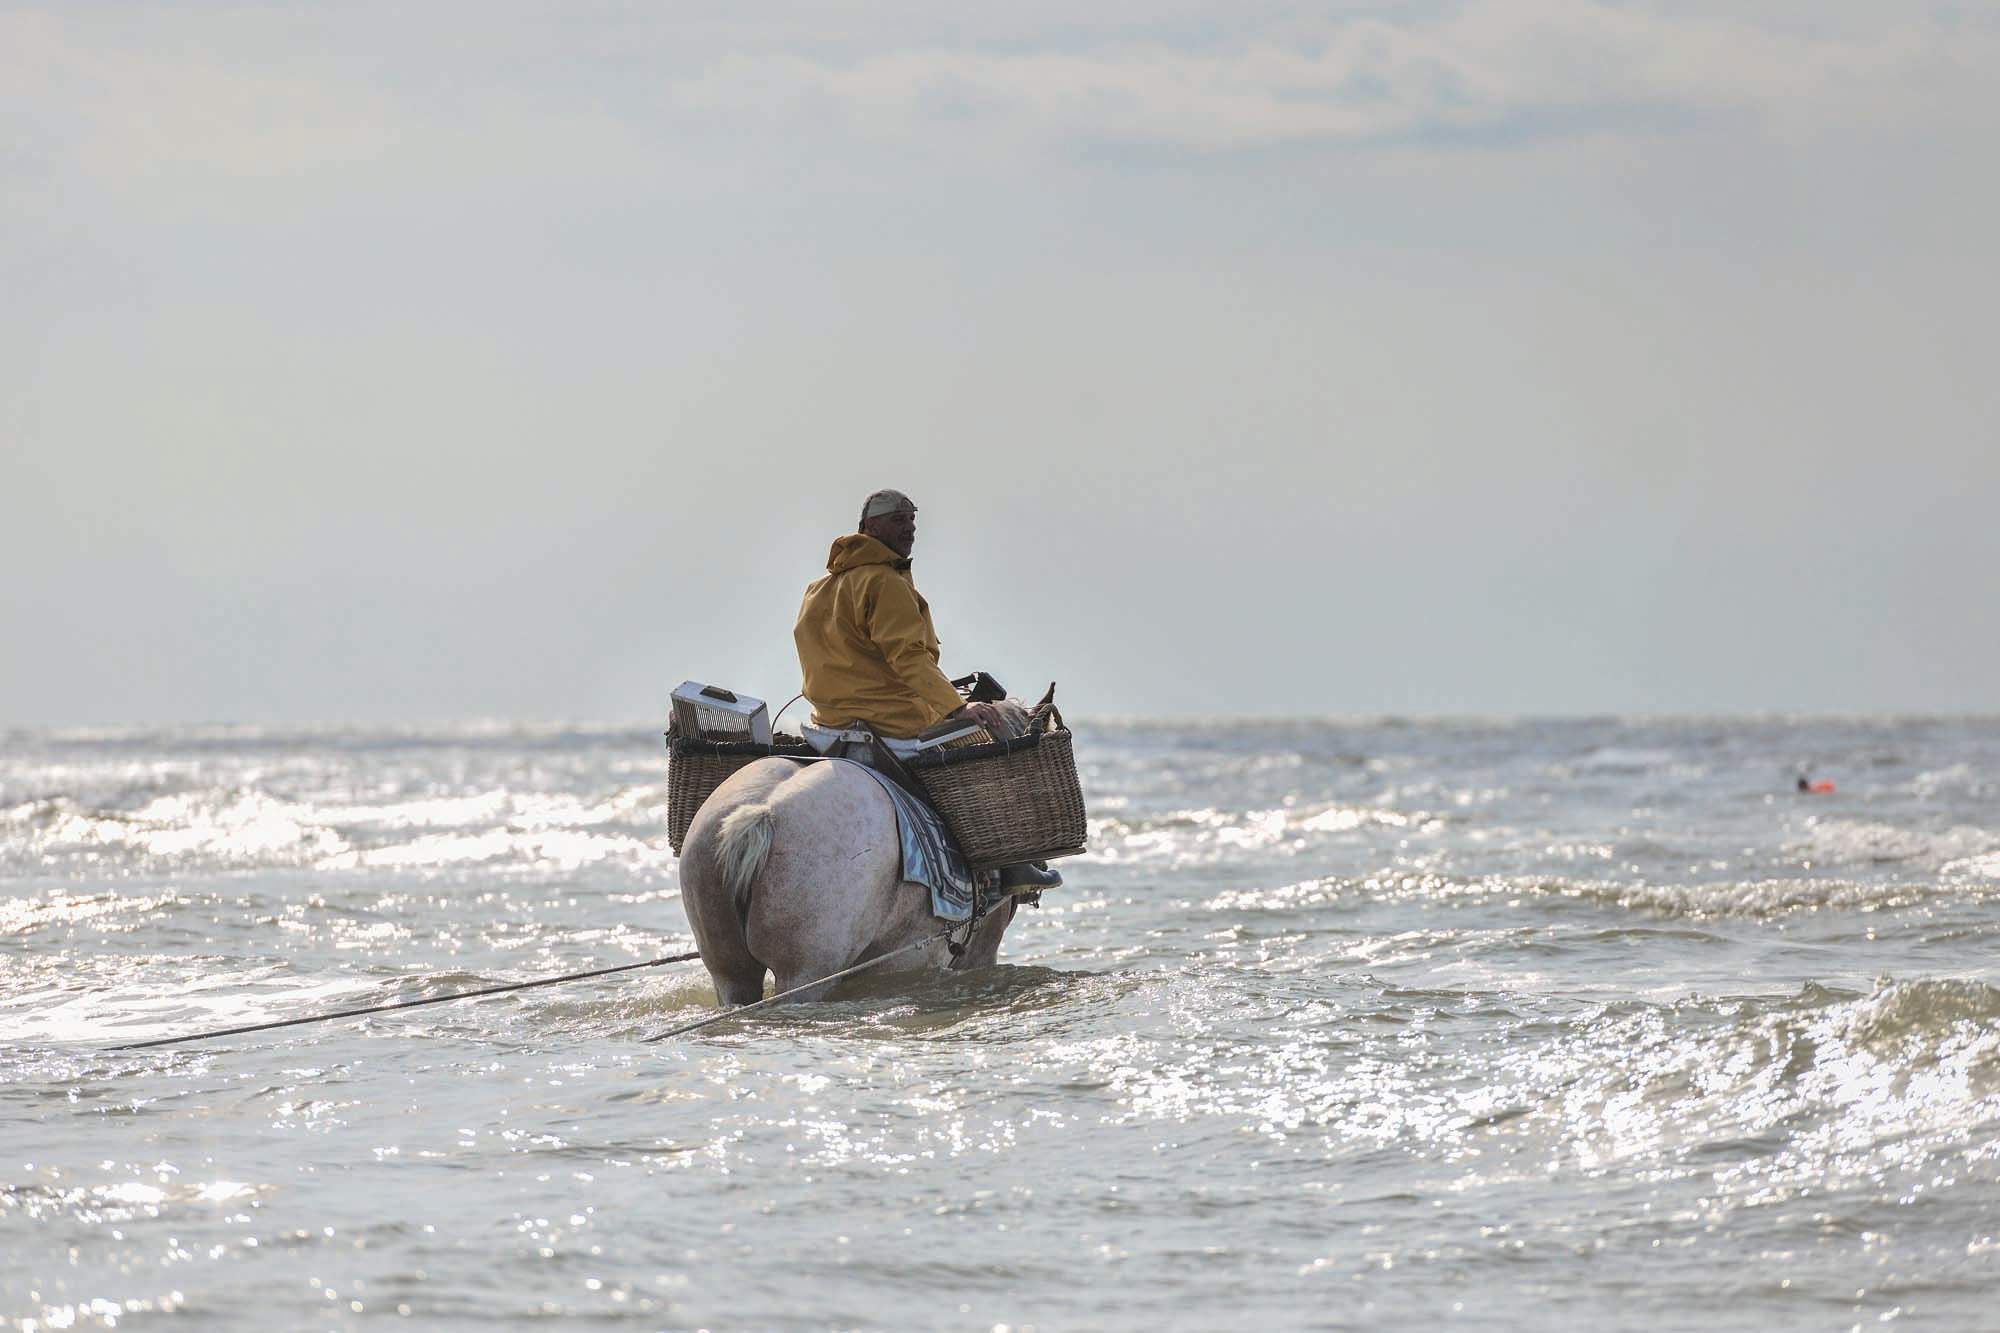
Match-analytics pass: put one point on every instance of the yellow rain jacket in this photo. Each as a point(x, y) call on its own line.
point(866, 646)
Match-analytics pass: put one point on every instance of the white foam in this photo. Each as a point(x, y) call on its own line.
point(1761, 898)
point(1865, 842)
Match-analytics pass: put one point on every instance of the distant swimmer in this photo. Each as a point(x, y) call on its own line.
point(1820, 788)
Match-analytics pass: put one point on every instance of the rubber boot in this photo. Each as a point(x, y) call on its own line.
point(1029, 875)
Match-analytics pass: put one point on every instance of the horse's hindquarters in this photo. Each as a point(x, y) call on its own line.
point(715, 901)
point(832, 887)
point(797, 868)
point(794, 868)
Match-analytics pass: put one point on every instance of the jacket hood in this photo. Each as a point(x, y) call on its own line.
point(856, 549)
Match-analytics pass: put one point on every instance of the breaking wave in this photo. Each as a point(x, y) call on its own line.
point(1764, 898)
point(246, 829)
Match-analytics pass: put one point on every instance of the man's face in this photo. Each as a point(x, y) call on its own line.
point(897, 531)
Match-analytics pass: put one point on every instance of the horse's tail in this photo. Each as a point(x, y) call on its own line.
point(741, 848)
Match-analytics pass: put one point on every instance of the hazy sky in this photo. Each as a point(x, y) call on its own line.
point(400, 362)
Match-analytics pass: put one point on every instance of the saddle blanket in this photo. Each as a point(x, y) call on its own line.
point(930, 857)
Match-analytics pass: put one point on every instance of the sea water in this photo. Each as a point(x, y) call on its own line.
point(1340, 1024)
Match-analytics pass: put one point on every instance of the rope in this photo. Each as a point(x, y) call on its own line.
point(944, 934)
point(781, 712)
point(403, 1004)
point(773, 999)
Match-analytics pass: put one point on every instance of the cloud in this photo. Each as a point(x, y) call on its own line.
point(198, 94)
point(126, 111)
point(197, 113)
point(1480, 66)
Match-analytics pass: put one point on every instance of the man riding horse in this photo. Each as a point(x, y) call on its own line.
point(798, 869)
point(868, 653)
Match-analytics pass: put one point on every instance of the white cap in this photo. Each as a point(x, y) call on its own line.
point(886, 502)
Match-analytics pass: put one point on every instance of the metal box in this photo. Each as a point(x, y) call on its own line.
point(713, 713)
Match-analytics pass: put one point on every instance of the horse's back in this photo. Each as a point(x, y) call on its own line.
point(813, 802)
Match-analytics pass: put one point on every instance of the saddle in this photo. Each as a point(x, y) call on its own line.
point(859, 741)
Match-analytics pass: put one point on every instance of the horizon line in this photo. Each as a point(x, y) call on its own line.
point(491, 725)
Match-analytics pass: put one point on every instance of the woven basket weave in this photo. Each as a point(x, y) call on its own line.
point(695, 768)
point(1012, 800)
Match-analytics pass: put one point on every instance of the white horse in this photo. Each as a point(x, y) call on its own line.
point(798, 869)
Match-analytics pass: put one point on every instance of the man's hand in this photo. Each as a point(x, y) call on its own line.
point(986, 715)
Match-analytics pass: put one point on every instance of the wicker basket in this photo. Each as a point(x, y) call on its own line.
point(696, 767)
point(1012, 800)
